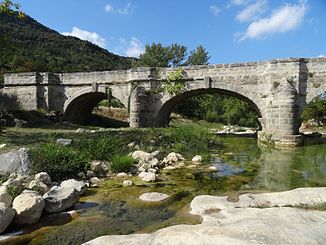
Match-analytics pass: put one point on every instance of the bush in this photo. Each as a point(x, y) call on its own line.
point(60, 162)
point(122, 163)
point(100, 147)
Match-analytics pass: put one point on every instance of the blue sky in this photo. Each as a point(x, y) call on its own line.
point(230, 30)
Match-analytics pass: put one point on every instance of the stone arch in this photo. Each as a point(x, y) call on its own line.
point(315, 93)
point(81, 104)
point(163, 115)
point(79, 108)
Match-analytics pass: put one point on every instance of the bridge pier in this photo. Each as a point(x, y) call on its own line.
point(282, 120)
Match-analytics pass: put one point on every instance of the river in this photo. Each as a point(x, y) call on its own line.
point(243, 167)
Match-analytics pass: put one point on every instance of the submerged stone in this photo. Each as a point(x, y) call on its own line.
point(153, 197)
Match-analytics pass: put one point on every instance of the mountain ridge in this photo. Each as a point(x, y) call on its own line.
point(27, 45)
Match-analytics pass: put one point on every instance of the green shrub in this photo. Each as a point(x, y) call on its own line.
point(122, 163)
point(13, 190)
point(60, 162)
point(100, 147)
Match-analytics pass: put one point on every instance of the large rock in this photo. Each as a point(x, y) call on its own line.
point(172, 158)
point(100, 168)
point(38, 186)
point(147, 176)
point(5, 197)
point(43, 177)
point(127, 183)
point(14, 184)
point(59, 198)
point(243, 222)
point(142, 156)
point(94, 182)
point(65, 142)
point(29, 207)
point(15, 161)
point(6, 216)
point(237, 227)
point(80, 186)
point(153, 197)
point(197, 158)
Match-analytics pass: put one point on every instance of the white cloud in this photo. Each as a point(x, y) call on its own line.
point(92, 37)
point(215, 9)
point(132, 48)
point(321, 56)
point(252, 11)
point(239, 2)
point(284, 19)
point(109, 8)
point(123, 10)
point(135, 48)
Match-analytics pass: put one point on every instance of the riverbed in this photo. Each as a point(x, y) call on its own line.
point(243, 167)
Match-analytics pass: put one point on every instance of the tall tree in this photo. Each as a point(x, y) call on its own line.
point(198, 57)
point(155, 55)
point(9, 7)
point(316, 110)
point(177, 54)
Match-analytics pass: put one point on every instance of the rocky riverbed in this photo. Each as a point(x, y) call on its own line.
point(267, 218)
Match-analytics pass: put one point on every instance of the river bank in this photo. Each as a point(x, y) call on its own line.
point(267, 218)
point(117, 209)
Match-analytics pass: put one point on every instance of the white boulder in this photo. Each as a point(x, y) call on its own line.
point(94, 182)
point(127, 183)
point(43, 177)
point(197, 158)
point(147, 176)
point(59, 198)
point(65, 142)
point(5, 197)
point(38, 186)
point(28, 206)
point(153, 197)
point(79, 186)
point(6, 216)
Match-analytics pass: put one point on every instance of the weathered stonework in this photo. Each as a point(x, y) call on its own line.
point(278, 89)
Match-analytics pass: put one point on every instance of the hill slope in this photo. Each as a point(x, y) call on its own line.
point(26, 45)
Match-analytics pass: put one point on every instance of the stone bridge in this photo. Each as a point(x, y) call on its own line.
point(279, 90)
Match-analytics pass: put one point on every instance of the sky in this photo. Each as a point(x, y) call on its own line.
point(230, 30)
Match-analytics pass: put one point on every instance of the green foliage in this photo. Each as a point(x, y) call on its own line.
point(317, 206)
point(121, 163)
point(115, 103)
point(198, 57)
point(9, 7)
point(177, 54)
point(156, 55)
point(100, 147)
point(30, 46)
point(187, 140)
point(60, 162)
point(219, 108)
point(315, 110)
point(174, 84)
point(3, 178)
point(14, 190)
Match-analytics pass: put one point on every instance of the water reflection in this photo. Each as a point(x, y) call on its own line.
point(279, 170)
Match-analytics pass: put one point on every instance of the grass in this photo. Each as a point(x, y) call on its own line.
point(121, 164)
point(63, 162)
point(317, 206)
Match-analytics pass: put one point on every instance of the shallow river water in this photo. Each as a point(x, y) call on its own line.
point(243, 167)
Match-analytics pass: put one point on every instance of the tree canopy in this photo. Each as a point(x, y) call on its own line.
point(174, 55)
point(316, 110)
